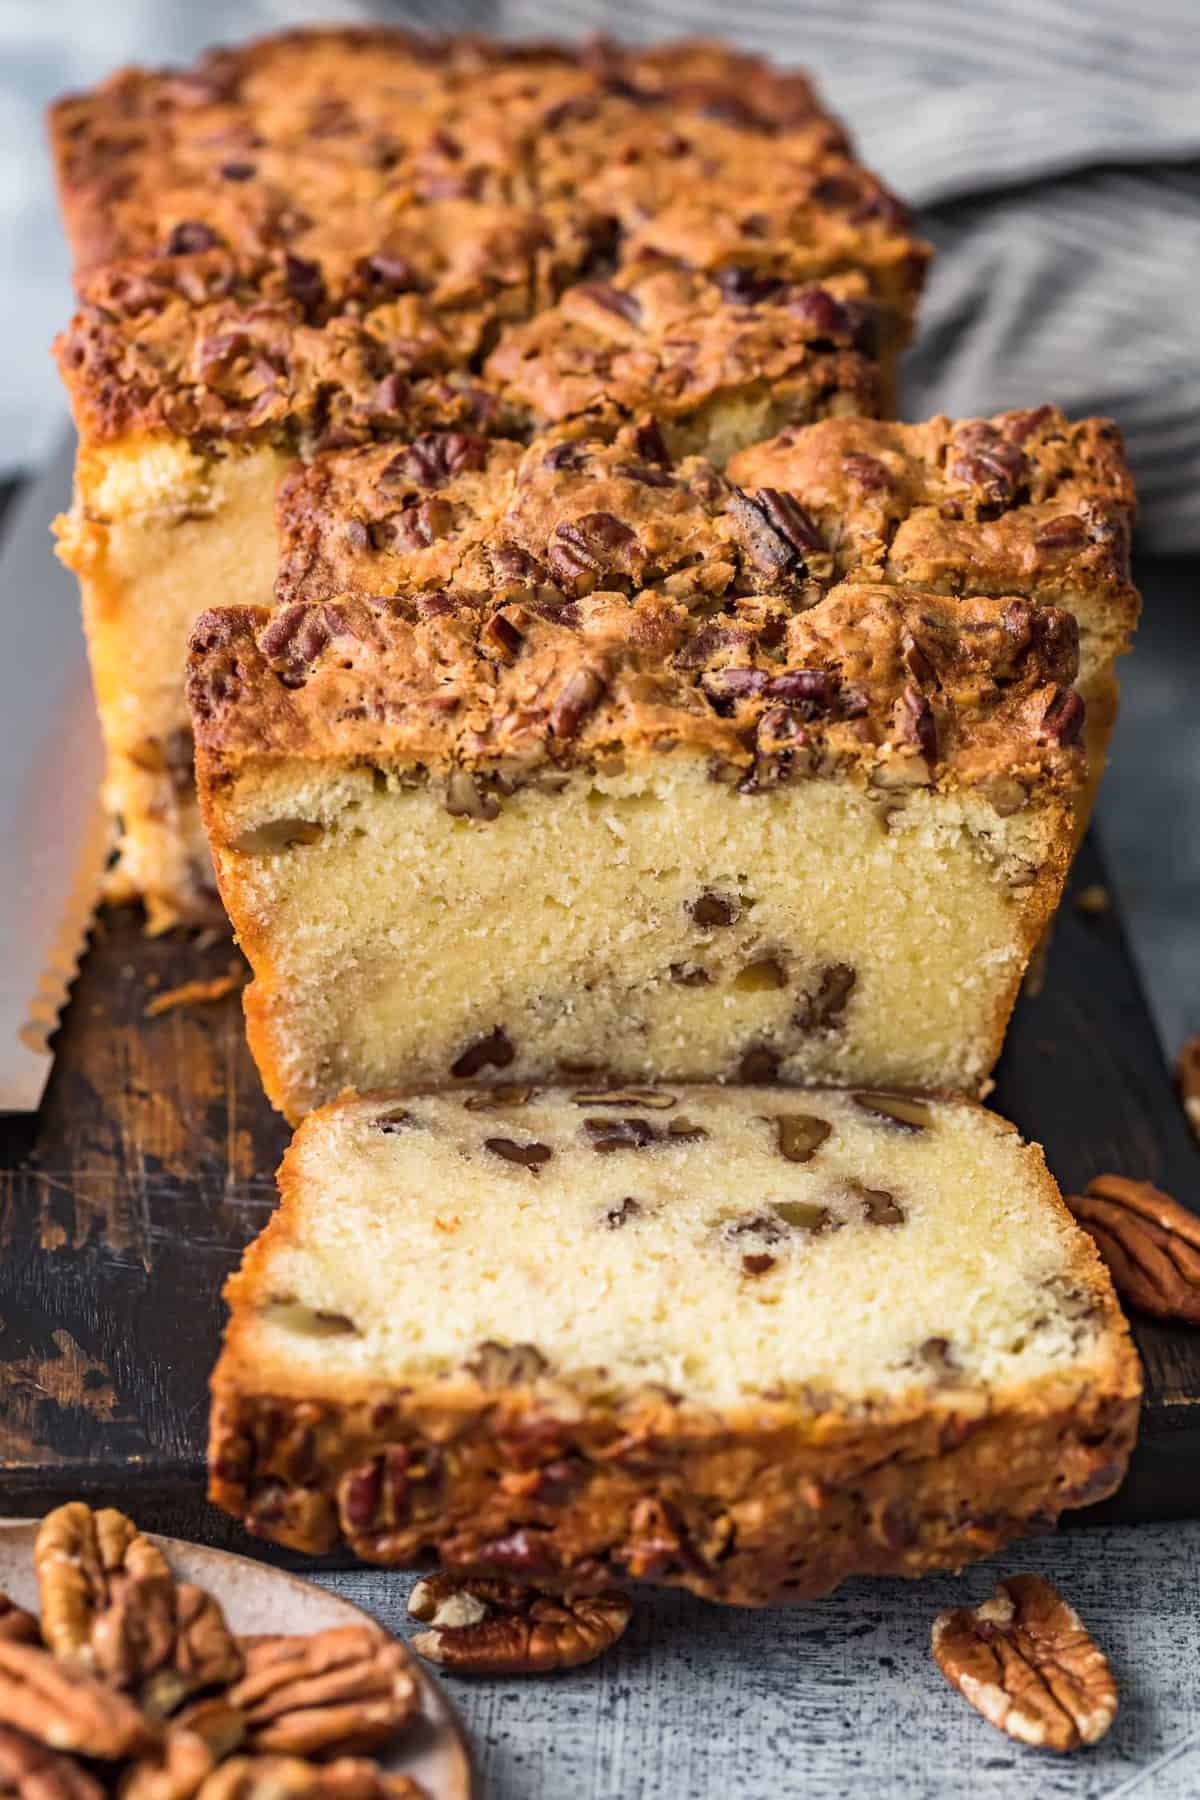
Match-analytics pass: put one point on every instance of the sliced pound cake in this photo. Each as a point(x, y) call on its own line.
point(316, 239)
point(547, 835)
point(747, 1341)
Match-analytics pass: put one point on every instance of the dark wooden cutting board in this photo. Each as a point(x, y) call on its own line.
point(125, 1203)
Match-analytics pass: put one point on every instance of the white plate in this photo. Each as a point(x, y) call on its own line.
point(256, 1598)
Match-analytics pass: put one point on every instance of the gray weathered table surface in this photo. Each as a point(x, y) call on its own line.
point(842, 1697)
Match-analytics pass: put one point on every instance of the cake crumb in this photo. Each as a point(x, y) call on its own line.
point(193, 993)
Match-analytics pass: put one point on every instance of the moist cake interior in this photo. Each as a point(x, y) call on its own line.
point(646, 921)
point(725, 1244)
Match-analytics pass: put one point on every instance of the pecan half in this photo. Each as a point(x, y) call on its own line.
point(173, 1770)
point(1025, 1661)
point(291, 1778)
point(1187, 1074)
point(110, 1603)
point(347, 1689)
point(1150, 1243)
point(31, 1772)
point(65, 1708)
point(492, 1627)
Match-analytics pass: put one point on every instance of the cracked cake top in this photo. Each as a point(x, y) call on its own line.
point(406, 199)
point(1027, 502)
point(900, 687)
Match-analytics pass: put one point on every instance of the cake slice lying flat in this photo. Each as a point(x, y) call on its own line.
point(748, 1341)
point(613, 833)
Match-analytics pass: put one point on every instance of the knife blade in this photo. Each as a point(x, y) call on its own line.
point(53, 832)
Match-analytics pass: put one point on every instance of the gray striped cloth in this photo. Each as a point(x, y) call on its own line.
point(1052, 148)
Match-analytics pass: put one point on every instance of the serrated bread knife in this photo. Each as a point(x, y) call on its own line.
point(53, 834)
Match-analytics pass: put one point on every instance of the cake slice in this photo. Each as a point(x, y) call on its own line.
point(544, 834)
point(1029, 503)
point(790, 1337)
point(314, 240)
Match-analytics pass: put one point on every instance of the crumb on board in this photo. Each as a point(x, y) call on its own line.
point(194, 993)
point(1094, 900)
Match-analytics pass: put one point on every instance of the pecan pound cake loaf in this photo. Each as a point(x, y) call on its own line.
point(792, 1336)
point(322, 239)
point(1028, 503)
point(607, 832)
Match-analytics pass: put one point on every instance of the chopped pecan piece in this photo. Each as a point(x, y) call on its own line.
point(65, 1708)
point(506, 1365)
point(111, 1603)
point(1025, 1661)
point(31, 1772)
point(349, 1689)
point(799, 1135)
point(493, 1627)
point(1187, 1073)
point(900, 1110)
point(1150, 1242)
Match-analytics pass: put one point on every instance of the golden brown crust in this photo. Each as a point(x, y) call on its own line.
point(680, 343)
point(508, 1467)
point(405, 198)
point(1026, 502)
point(899, 686)
point(494, 1484)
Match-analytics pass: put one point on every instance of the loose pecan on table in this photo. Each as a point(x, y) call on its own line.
point(1187, 1074)
point(494, 1627)
point(110, 1603)
point(347, 1689)
point(1025, 1661)
point(1150, 1243)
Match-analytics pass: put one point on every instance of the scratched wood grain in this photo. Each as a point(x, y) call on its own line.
point(127, 1201)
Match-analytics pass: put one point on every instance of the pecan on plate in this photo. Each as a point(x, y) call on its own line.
point(172, 1770)
point(348, 1689)
point(1187, 1075)
point(291, 1778)
point(1150, 1243)
point(198, 1738)
point(1025, 1661)
point(32, 1772)
point(111, 1604)
point(492, 1627)
point(65, 1708)
point(16, 1625)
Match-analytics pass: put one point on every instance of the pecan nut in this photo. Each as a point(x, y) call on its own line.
point(1187, 1074)
point(495, 1627)
point(30, 1771)
point(347, 1689)
point(174, 1770)
point(16, 1625)
point(291, 1778)
point(65, 1708)
point(1025, 1661)
point(1150, 1243)
point(202, 1736)
point(110, 1603)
